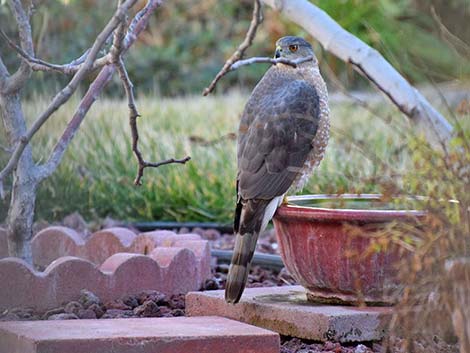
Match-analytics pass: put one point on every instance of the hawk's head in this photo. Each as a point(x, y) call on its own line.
point(293, 48)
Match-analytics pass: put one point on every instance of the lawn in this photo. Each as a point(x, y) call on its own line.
point(97, 173)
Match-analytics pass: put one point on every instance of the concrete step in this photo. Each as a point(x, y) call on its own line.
point(287, 311)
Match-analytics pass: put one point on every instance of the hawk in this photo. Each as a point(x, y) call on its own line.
point(282, 137)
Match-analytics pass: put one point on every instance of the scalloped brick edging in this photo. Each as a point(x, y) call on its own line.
point(168, 270)
point(54, 242)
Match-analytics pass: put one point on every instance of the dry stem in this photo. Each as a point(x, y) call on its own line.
point(250, 35)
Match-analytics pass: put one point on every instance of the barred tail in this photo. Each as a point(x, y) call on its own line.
point(240, 267)
point(251, 218)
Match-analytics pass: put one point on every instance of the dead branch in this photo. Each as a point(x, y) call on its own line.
point(67, 69)
point(64, 95)
point(117, 60)
point(250, 35)
point(133, 115)
point(138, 24)
point(273, 61)
point(255, 60)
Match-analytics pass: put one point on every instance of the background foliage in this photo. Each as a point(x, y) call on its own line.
point(187, 41)
point(184, 46)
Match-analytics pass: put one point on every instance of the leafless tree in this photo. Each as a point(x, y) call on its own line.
point(27, 175)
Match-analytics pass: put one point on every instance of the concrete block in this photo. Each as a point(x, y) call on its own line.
point(287, 311)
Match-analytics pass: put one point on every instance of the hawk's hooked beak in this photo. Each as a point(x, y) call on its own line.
point(277, 53)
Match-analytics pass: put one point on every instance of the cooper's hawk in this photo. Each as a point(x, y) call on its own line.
point(282, 137)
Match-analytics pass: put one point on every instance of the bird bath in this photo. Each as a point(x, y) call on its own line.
point(317, 236)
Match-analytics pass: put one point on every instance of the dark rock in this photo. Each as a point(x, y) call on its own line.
point(54, 311)
point(177, 301)
point(9, 317)
point(117, 304)
point(148, 309)
point(153, 295)
point(23, 313)
point(86, 314)
point(130, 300)
point(177, 312)
point(211, 284)
point(63, 316)
point(98, 310)
point(88, 298)
point(117, 314)
point(73, 307)
point(165, 312)
point(222, 268)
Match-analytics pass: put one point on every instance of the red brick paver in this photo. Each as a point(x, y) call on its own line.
point(162, 335)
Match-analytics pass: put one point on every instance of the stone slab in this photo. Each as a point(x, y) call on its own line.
point(287, 311)
point(163, 335)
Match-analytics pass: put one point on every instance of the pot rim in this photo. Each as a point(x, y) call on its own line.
point(308, 213)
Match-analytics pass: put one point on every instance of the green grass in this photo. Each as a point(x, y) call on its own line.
point(98, 169)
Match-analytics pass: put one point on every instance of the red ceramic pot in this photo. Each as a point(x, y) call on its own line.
point(316, 244)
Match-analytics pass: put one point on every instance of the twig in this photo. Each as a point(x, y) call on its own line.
point(273, 61)
point(250, 35)
point(116, 59)
point(133, 115)
point(67, 69)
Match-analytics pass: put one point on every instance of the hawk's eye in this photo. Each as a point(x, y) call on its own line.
point(293, 48)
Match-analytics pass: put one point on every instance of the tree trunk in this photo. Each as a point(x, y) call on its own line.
point(23, 196)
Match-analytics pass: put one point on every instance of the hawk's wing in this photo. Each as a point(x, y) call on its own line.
point(275, 139)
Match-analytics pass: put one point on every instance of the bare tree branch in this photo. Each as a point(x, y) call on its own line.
point(116, 59)
point(133, 115)
point(370, 63)
point(18, 79)
point(274, 61)
point(138, 24)
point(250, 35)
point(68, 90)
point(67, 69)
point(255, 60)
